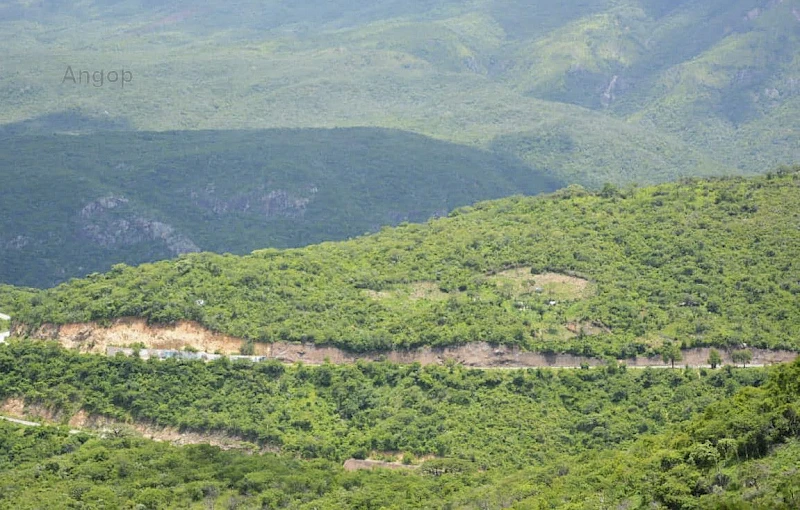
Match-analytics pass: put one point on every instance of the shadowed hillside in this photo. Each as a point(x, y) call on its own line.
point(73, 205)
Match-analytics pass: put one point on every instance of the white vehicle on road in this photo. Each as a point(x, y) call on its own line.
point(4, 334)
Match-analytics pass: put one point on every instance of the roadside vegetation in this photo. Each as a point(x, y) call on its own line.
point(480, 439)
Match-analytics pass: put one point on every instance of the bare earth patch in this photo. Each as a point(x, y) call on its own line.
point(95, 339)
point(521, 281)
point(91, 338)
point(356, 464)
point(426, 290)
point(377, 294)
point(14, 407)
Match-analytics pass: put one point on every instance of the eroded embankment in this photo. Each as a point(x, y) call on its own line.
point(17, 408)
point(17, 411)
point(93, 338)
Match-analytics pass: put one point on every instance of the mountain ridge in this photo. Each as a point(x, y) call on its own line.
point(674, 263)
point(120, 196)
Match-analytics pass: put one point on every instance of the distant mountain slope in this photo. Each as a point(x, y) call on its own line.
point(593, 91)
point(620, 273)
point(73, 205)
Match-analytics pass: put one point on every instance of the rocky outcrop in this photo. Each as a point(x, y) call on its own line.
point(276, 203)
point(111, 223)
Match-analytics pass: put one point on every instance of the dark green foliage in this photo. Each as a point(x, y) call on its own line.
point(137, 197)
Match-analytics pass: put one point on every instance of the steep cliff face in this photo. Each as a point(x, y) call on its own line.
point(111, 222)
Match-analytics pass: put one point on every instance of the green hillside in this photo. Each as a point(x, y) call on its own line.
point(73, 205)
point(590, 92)
point(702, 262)
point(593, 91)
point(676, 439)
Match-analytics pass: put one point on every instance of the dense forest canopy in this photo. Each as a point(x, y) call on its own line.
point(473, 439)
point(592, 90)
point(516, 95)
point(696, 263)
point(125, 197)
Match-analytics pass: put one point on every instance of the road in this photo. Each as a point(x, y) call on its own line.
point(21, 422)
point(163, 354)
point(32, 423)
point(4, 334)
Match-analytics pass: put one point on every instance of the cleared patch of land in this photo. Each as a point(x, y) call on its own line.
point(522, 281)
point(412, 291)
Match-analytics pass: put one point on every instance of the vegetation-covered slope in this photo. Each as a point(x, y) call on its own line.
point(594, 91)
point(703, 262)
point(73, 205)
point(524, 439)
point(589, 92)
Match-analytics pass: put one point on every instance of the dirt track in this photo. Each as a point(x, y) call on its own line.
point(126, 332)
point(15, 410)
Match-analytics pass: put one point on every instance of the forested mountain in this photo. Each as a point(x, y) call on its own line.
point(617, 272)
point(618, 91)
point(470, 439)
point(298, 174)
point(593, 91)
point(73, 205)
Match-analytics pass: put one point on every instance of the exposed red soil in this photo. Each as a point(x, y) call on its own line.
point(125, 332)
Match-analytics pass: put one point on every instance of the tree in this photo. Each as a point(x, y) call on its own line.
point(609, 191)
point(714, 358)
point(671, 353)
point(743, 356)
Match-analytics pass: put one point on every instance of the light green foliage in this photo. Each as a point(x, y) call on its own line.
point(708, 262)
point(595, 91)
point(671, 353)
point(743, 356)
point(714, 358)
point(527, 439)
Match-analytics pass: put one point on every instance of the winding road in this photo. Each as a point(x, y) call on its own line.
point(4, 334)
